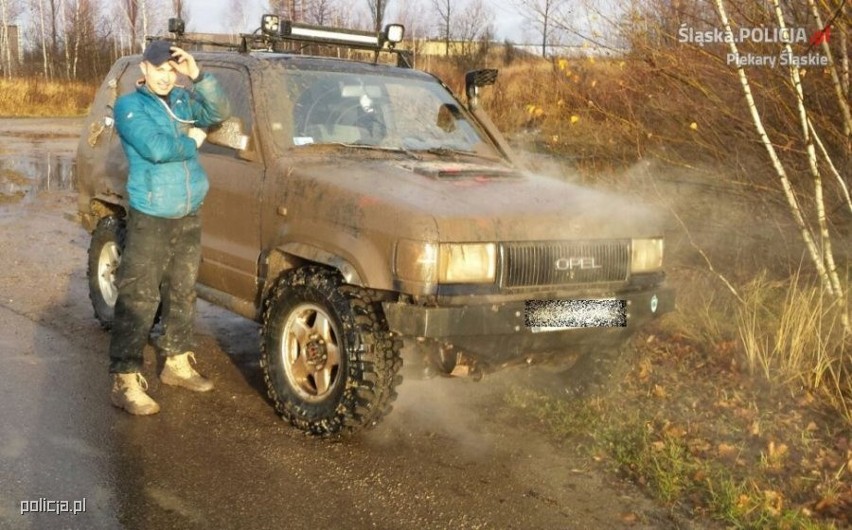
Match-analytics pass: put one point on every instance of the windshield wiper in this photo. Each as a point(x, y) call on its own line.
point(371, 147)
point(447, 151)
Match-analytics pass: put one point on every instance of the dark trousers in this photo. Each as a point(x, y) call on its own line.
point(158, 252)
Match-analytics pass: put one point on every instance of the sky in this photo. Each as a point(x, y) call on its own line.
point(210, 16)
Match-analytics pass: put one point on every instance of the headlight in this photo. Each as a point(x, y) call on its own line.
point(467, 263)
point(422, 262)
point(646, 255)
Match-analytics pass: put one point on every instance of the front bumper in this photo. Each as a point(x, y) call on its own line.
point(508, 318)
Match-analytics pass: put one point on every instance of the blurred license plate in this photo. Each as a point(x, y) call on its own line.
point(555, 315)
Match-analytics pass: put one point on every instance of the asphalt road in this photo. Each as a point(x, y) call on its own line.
point(451, 455)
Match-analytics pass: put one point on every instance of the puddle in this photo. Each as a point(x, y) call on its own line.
point(22, 177)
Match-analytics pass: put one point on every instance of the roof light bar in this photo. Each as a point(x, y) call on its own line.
point(272, 25)
point(273, 29)
point(331, 35)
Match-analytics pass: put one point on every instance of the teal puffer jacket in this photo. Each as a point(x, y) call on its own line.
point(165, 178)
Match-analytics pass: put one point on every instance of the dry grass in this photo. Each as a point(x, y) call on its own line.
point(29, 97)
point(791, 333)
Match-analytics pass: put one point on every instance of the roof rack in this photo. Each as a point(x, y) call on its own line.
point(274, 31)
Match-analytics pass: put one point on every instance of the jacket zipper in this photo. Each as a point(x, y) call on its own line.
point(185, 165)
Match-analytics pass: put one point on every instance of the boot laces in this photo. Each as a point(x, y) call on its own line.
point(135, 387)
point(182, 364)
point(142, 382)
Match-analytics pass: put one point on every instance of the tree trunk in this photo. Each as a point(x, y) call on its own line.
point(43, 39)
point(5, 45)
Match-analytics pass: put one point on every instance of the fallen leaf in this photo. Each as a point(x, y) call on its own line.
point(726, 450)
point(698, 446)
point(629, 517)
point(674, 431)
point(777, 451)
point(773, 501)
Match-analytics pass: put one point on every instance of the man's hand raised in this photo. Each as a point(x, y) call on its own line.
point(184, 63)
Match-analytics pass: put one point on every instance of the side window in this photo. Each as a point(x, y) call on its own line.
point(235, 82)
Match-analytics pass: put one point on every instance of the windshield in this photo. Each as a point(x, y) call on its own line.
point(385, 111)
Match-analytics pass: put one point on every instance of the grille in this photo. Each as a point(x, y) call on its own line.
point(537, 264)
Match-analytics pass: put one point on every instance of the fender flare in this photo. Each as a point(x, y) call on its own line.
point(280, 259)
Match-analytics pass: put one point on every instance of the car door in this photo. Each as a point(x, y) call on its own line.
point(231, 212)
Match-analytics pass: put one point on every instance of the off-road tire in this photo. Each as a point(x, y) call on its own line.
point(109, 233)
point(369, 358)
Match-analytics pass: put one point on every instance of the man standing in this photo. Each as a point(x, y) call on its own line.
point(160, 129)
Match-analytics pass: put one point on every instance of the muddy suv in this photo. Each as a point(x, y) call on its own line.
point(356, 208)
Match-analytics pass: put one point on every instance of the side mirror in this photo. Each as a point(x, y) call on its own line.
point(475, 79)
point(229, 133)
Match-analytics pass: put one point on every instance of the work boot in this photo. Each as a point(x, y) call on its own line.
point(128, 393)
point(178, 371)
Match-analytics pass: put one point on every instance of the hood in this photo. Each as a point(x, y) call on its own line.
point(451, 201)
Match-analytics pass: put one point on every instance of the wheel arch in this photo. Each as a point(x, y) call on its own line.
point(297, 254)
point(100, 207)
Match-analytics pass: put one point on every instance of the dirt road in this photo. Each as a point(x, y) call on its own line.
point(451, 455)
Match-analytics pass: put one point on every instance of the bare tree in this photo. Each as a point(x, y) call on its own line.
point(237, 16)
point(473, 28)
point(542, 14)
point(130, 11)
point(143, 11)
point(181, 10)
point(377, 12)
point(4, 39)
point(444, 10)
point(320, 12)
point(43, 38)
point(82, 41)
point(820, 251)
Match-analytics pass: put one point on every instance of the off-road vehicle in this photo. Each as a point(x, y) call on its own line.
point(356, 207)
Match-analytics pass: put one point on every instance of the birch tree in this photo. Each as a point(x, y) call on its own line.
point(130, 11)
point(842, 101)
point(4, 39)
point(40, 15)
point(820, 253)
